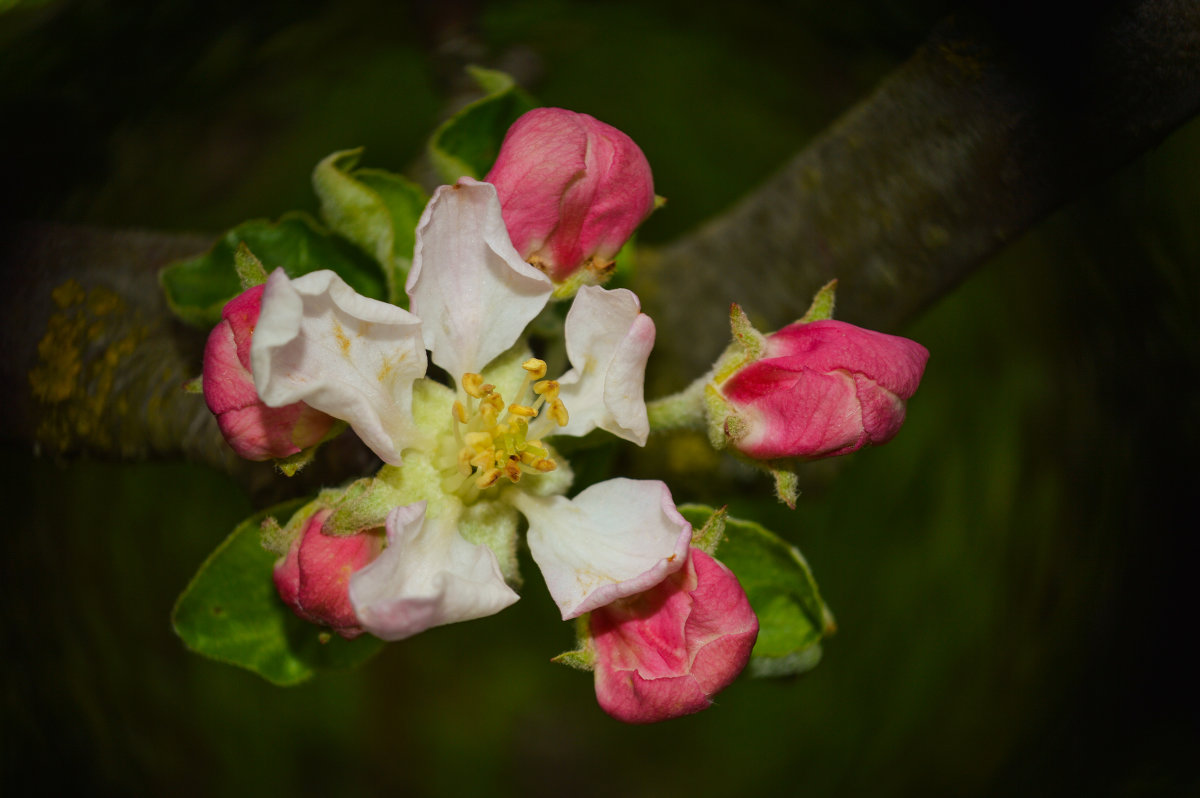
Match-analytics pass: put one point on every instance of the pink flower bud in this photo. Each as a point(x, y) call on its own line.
point(665, 652)
point(255, 431)
point(313, 578)
point(821, 389)
point(572, 189)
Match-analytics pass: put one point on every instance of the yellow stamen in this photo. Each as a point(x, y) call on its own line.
point(535, 367)
point(473, 384)
point(491, 436)
point(488, 478)
point(558, 412)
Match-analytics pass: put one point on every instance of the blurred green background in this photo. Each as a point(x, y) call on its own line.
point(1012, 576)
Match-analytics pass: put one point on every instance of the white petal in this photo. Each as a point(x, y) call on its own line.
point(471, 289)
point(427, 576)
point(614, 539)
point(355, 358)
point(608, 342)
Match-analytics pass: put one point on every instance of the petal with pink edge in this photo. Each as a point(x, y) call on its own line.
point(615, 539)
point(608, 343)
point(355, 358)
point(427, 576)
point(473, 292)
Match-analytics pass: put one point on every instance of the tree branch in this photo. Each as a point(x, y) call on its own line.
point(991, 125)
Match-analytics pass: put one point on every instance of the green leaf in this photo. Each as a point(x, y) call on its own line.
point(231, 613)
point(468, 142)
point(197, 288)
point(792, 618)
point(374, 209)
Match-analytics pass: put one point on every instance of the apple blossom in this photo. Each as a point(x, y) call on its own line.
point(818, 389)
point(464, 461)
point(572, 190)
point(254, 430)
point(667, 651)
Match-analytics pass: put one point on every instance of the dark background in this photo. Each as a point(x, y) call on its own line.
point(1012, 576)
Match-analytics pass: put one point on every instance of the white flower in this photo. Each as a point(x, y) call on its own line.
point(474, 453)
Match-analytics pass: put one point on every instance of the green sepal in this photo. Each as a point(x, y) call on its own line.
point(792, 618)
point(787, 485)
point(584, 657)
point(821, 308)
point(751, 340)
point(230, 612)
point(290, 466)
point(249, 268)
point(363, 504)
point(197, 288)
point(718, 413)
point(593, 272)
point(468, 142)
point(374, 209)
point(709, 535)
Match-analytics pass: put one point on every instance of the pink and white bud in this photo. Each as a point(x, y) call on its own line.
point(313, 578)
point(255, 431)
point(572, 189)
point(820, 389)
point(666, 652)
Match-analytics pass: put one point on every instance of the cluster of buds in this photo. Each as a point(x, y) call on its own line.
point(666, 626)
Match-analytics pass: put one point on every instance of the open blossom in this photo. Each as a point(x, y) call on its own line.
point(466, 459)
point(313, 577)
point(254, 430)
point(667, 651)
point(572, 189)
point(820, 389)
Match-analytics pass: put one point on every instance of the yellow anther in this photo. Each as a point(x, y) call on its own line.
point(484, 459)
point(488, 478)
point(478, 440)
point(544, 465)
point(473, 384)
point(512, 470)
point(558, 412)
point(488, 414)
point(535, 367)
point(464, 460)
point(522, 410)
point(460, 412)
point(547, 388)
point(493, 400)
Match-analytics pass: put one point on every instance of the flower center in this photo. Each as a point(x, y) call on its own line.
point(493, 440)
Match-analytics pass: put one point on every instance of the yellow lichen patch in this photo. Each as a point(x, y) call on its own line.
point(60, 355)
point(88, 342)
point(68, 294)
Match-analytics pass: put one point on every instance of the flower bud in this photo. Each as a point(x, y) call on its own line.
point(665, 652)
point(572, 190)
point(819, 389)
point(255, 431)
point(313, 578)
